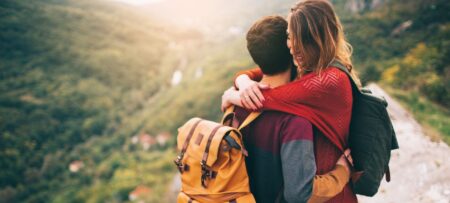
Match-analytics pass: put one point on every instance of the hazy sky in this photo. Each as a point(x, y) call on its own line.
point(139, 2)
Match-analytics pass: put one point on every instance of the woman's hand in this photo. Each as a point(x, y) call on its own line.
point(346, 161)
point(230, 97)
point(250, 92)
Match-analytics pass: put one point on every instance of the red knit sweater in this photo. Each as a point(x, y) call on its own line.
point(324, 99)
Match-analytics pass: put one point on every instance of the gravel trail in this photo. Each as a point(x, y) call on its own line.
point(420, 169)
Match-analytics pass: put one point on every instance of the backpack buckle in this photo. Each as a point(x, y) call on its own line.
point(181, 167)
point(207, 173)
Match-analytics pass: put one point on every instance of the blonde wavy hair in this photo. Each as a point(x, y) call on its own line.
point(317, 37)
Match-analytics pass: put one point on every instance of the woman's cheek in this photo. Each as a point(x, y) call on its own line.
point(289, 45)
point(295, 62)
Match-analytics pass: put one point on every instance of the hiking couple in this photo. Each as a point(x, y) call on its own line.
point(287, 124)
point(306, 103)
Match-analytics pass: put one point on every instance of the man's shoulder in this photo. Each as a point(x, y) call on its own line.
point(296, 128)
point(296, 120)
point(292, 127)
point(286, 118)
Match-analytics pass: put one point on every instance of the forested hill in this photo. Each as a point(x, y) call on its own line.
point(92, 92)
point(89, 100)
point(70, 71)
point(405, 45)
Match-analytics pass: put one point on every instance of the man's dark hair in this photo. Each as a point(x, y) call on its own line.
point(266, 42)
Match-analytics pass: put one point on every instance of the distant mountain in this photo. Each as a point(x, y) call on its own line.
point(80, 79)
point(70, 71)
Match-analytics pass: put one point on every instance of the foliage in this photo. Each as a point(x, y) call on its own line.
point(80, 81)
point(69, 75)
point(406, 45)
point(434, 117)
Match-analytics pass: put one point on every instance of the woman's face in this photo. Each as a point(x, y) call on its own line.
point(290, 40)
point(289, 35)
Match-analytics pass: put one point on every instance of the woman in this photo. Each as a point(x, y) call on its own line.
point(321, 93)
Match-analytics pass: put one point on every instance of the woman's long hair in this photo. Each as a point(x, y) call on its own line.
point(318, 37)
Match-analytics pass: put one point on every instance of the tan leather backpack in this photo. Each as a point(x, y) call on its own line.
point(212, 162)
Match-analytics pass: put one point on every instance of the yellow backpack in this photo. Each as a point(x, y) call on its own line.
point(211, 161)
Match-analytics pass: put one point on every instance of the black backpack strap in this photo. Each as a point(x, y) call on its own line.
point(355, 89)
point(340, 66)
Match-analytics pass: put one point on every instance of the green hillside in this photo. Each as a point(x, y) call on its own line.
point(71, 73)
point(405, 45)
point(80, 78)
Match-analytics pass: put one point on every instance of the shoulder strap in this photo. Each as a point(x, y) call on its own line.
point(228, 111)
point(250, 118)
point(229, 118)
point(336, 63)
point(229, 115)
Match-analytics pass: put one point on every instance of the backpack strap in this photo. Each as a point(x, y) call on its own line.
point(250, 118)
point(206, 170)
point(207, 173)
point(183, 167)
point(337, 64)
point(229, 118)
point(229, 110)
point(388, 174)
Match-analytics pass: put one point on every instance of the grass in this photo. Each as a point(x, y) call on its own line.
point(434, 118)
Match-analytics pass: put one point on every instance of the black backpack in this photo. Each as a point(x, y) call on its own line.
point(371, 139)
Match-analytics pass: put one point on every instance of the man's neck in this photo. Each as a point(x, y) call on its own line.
point(276, 80)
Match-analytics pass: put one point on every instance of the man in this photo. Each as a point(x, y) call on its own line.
point(281, 162)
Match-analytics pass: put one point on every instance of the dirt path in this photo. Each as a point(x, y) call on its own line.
point(420, 169)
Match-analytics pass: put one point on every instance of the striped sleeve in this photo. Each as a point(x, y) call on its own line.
point(297, 160)
point(301, 184)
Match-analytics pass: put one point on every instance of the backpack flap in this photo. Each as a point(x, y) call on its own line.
point(375, 98)
point(185, 134)
point(211, 163)
point(213, 142)
point(203, 139)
